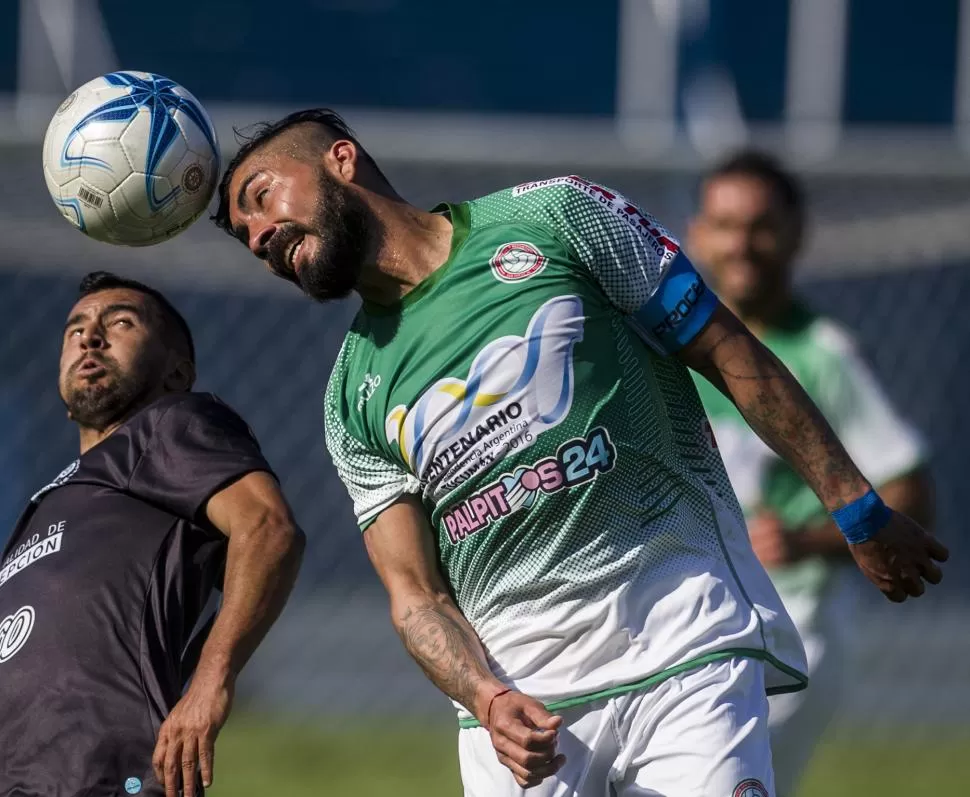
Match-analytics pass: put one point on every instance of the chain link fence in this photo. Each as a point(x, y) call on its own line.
point(890, 257)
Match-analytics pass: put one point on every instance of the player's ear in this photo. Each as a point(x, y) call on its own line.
point(343, 154)
point(181, 376)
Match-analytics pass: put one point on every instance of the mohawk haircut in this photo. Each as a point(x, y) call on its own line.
point(331, 124)
point(97, 281)
point(762, 166)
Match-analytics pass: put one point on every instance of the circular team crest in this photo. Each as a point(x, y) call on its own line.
point(752, 787)
point(14, 630)
point(517, 261)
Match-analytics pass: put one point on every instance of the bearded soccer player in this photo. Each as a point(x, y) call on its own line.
point(110, 567)
point(747, 234)
point(536, 482)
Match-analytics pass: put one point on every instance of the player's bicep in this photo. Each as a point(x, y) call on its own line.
point(679, 310)
point(254, 501)
point(400, 544)
point(721, 340)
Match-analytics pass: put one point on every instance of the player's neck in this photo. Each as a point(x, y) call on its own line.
point(413, 245)
point(90, 436)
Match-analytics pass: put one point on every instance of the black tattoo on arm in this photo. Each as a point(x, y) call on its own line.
point(780, 412)
point(442, 642)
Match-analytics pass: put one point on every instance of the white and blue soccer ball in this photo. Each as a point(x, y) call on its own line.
point(131, 158)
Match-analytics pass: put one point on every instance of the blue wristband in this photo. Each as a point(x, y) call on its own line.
point(863, 518)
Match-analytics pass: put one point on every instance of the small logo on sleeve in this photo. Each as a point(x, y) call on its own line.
point(752, 787)
point(517, 261)
point(133, 785)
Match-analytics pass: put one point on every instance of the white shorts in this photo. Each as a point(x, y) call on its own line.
point(703, 733)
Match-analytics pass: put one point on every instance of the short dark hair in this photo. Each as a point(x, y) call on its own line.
point(97, 281)
point(262, 133)
point(762, 166)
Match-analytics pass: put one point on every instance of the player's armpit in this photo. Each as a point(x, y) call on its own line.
point(400, 544)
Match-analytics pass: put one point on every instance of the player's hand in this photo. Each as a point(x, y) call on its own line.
point(771, 543)
point(525, 735)
point(186, 740)
point(900, 557)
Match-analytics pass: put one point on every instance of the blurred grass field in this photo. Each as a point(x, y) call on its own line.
point(259, 757)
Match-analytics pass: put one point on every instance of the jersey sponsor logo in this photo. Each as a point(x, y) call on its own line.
point(577, 462)
point(645, 225)
point(517, 261)
point(517, 388)
point(366, 389)
point(14, 630)
point(32, 550)
point(61, 477)
point(751, 787)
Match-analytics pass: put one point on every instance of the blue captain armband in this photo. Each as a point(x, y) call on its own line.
point(679, 308)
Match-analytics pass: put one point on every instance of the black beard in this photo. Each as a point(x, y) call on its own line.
point(96, 405)
point(345, 225)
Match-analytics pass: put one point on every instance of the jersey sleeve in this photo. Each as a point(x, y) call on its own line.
point(195, 447)
point(373, 481)
point(879, 440)
point(638, 264)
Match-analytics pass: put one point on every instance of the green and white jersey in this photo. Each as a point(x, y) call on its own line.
point(583, 516)
point(823, 358)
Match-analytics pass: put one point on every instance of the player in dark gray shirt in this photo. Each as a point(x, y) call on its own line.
point(109, 569)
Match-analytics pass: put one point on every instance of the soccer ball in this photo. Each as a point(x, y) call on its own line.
point(131, 158)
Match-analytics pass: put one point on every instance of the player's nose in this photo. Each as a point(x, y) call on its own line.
point(259, 240)
point(92, 338)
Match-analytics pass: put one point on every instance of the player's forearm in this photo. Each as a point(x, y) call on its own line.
point(261, 567)
point(446, 647)
point(779, 411)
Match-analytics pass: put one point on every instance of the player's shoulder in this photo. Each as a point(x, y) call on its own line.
point(567, 188)
point(348, 372)
point(174, 410)
point(544, 199)
point(347, 356)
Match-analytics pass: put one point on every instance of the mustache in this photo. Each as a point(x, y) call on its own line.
point(278, 246)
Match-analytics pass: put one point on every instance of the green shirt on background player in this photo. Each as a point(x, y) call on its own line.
point(746, 234)
point(823, 357)
point(532, 469)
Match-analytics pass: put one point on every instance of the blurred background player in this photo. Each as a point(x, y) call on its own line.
point(111, 565)
point(747, 233)
point(533, 474)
